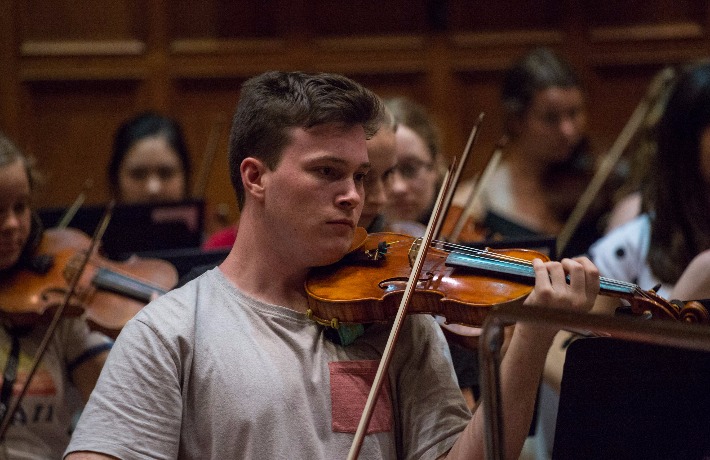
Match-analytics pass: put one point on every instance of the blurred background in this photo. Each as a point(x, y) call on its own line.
point(72, 70)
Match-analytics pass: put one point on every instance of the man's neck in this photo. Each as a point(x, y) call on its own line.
point(257, 270)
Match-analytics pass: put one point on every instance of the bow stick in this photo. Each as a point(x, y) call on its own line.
point(457, 172)
point(8, 415)
point(655, 91)
point(442, 205)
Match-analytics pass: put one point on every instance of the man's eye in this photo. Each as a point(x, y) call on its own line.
point(360, 177)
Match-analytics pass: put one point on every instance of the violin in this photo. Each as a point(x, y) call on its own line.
point(459, 224)
point(460, 284)
point(471, 231)
point(109, 292)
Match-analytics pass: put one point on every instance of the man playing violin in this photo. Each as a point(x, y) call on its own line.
point(41, 424)
point(230, 366)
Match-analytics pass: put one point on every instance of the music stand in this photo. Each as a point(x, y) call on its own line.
point(629, 400)
point(137, 228)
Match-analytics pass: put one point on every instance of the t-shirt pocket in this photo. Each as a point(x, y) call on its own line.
point(350, 384)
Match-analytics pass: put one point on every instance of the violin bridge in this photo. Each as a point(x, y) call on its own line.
point(414, 250)
point(380, 252)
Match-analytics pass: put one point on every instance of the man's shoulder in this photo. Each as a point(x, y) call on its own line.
point(174, 312)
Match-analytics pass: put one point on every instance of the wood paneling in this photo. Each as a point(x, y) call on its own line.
point(74, 70)
point(71, 133)
point(79, 20)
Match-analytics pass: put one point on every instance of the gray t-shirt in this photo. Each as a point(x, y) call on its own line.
point(208, 372)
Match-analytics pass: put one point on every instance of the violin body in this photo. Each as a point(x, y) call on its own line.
point(27, 294)
point(367, 285)
point(110, 293)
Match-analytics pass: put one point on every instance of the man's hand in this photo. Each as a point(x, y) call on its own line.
point(553, 291)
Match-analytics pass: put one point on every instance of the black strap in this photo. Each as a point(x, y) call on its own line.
point(9, 375)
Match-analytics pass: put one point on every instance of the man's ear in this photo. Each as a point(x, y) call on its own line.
point(253, 173)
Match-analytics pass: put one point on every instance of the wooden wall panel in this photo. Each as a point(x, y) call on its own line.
point(468, 15)
point(71, 134)
point(367, 17)
point(72, 20)
point(75, 70)
point(478, 92)
point(205, 108)
point(622, 13)
point(621, 89)
point(224, 19)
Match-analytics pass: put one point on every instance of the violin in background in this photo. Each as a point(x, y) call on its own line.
point(109, 292)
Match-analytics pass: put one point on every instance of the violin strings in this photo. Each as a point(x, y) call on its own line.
point(515, 261)
point(495, 257)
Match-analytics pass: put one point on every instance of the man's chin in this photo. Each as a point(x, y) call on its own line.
point(334, 252)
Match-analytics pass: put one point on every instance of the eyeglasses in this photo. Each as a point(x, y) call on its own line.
point(412, 168)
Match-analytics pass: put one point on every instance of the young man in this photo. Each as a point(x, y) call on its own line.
point(229, 366)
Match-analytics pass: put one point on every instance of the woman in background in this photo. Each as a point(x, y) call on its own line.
point(547, 162)
point(416, 178)
point(658, 246)
point(150, 161)
point(71, 365)
point(413, 187)
point(668, 245)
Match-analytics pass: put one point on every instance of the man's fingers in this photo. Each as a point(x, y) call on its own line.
point(591, 273)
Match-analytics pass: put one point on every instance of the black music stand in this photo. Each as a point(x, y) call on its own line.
point(136, 228)
point(628, 400)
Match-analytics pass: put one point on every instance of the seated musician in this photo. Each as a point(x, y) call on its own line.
point(230, 366)
point(41, 425)
point(547, 161)
point(669, 244)
point(150, 162)
point(417, 177)
point(659, 245)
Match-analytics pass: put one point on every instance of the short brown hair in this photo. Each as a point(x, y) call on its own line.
point(273, 102)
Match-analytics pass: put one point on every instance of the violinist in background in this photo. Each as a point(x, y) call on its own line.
point(230, 365)
point(150, 161)
point(416, 178)
point(547, 162)
point(669, 244)
point(657, 246)
point(71, 365)
point(381, 153)
point(413, 188)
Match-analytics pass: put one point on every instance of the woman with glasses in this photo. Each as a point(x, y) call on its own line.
point(411, 193)
point(417, 175)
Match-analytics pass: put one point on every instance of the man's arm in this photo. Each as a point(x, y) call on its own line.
point(524, 360)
